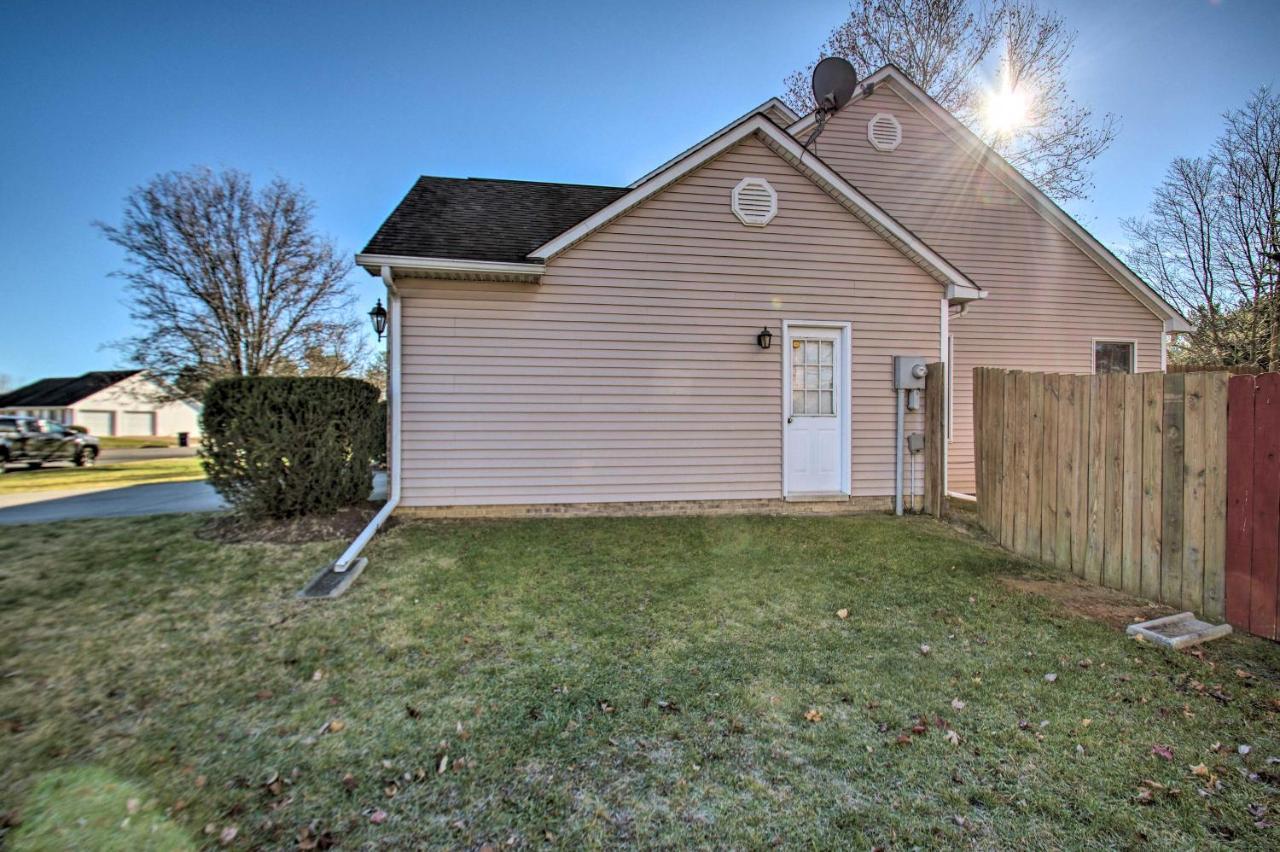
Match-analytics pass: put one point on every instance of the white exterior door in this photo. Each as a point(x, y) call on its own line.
point(816, 410)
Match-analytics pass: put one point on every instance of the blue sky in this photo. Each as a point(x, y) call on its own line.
point(354, 100)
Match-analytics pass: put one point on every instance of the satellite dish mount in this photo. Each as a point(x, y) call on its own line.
point(834, 82)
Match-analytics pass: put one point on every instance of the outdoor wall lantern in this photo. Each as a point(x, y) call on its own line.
point(765, 338)
point(379, 317)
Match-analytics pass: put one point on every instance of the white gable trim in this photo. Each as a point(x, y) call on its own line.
point(771, 105)
point(805, 161)
point(1023, 188)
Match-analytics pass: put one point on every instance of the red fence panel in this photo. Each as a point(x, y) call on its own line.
point(1266, 506)
point(1239, 498)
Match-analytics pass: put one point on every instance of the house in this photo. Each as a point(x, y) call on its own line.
point(583, 348)
point(106, 402)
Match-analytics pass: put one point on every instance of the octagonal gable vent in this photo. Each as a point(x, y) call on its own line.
point(755, 202)
point(884, 132)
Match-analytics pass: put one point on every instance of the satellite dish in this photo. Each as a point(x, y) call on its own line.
point(833, 83)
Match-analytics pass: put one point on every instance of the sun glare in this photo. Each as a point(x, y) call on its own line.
point(1006, 110)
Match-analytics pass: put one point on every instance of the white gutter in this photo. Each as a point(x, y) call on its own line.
point(352, 553)
point(448, 266)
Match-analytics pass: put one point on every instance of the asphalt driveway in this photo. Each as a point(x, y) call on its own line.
point(161, 498)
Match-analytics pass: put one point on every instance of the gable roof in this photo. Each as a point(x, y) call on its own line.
point(478, 219)
point(959, 286)
point(54, 393)
point(1031, 194)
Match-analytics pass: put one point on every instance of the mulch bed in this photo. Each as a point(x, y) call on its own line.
point(342, 524)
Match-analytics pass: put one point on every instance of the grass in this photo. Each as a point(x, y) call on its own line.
point(124, 442)
point(599, 682)
point(18, 480)
point(91, 809)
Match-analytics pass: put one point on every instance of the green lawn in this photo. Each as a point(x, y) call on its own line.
point(59, 477)
point(657, 682)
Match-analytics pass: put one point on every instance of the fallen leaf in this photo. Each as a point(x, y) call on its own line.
point(1163, 752)
point(317, 675)
point(349, 781)
point(812, 715)
point(1241, 673)
point(842, 613)
point(443, 765)
point(228, 835)
point(957, 704)
point(904, 739)
point(1244, 749)
point(952, 737)
point(132, 806)
point(335, 726)
point(1084, 723)
point(1199, 769)
point(378, 817)
point(1051, 677)
point(925, 649)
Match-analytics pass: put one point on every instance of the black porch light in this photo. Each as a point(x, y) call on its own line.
point(765, 338)
point(379, 317)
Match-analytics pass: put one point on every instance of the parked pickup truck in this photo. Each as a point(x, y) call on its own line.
point(29, 441)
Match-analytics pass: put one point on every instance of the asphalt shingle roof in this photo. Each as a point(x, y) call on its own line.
point(51, 393)
point(483, 219)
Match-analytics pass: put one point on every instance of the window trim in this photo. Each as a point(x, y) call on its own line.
point(1093, 352)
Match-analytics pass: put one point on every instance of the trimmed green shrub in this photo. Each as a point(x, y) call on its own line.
point(286, 446)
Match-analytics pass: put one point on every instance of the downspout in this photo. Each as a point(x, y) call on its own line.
point(352, 553)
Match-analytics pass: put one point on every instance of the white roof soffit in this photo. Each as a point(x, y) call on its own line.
point(452, 268)
point(1025, 189)
point(807, 163)
point(771, 105)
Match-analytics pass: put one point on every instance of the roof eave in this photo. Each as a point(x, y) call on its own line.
point(403, 266)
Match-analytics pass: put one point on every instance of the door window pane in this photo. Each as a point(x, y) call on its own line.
point(813, 378)
point(1112, 357)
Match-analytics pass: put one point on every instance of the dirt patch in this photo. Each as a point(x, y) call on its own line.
point(342, 524)
point(1093, 602)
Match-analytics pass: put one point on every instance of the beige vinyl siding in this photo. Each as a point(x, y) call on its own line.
point(631, 372)
point(1048, 299)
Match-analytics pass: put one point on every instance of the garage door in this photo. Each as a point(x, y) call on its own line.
point(138, 423)
point(97, 422)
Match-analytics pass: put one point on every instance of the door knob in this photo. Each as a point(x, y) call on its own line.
point(789, 419)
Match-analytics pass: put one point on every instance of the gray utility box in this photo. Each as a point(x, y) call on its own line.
point(909, 372)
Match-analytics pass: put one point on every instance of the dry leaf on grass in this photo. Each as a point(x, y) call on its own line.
point(813, 715)
point(957, 704)
point(842, 613)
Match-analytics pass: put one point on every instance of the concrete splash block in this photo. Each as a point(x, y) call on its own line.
point(1178, 631)
point(329, 584)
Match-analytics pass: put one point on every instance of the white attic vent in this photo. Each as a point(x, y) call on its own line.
point(884, 132)
point(754, 202)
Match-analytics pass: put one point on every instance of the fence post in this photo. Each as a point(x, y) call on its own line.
point(935, 439)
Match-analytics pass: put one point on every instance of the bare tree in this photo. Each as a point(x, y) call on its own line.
point(948, 46)
point(227, 281)
point(1208, 236)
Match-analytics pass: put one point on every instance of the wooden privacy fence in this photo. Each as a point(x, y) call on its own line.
point(1121, 478)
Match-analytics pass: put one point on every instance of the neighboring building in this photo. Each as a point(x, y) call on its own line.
point(106, 402)
point(582, 345)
